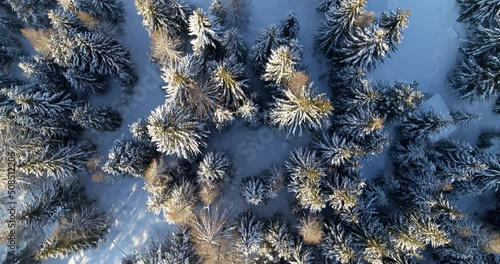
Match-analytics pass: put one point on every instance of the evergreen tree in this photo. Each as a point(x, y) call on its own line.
point(282, 65)
point(363, 48)
point(249, 232)
point(358, 96)
point(266, 41)
point(9, 50)
point(207, 33)
point(229, 79)
point(483, 41)
point(424, 125)
point(325, 5)
point(360, 124)
point(111, 10)
point(165, 49)
point(218, 10)
point(83, 229)
point(129, 156)
point(400, 99)
point(338, 23)
point(175, 131)
point(32, 12)
point(180, 202)
point(179, 78)
point(306, 177)
point(289, 26)
point(311, 229)
point(139, 130)
point(477, 79)
point(464, 118)
point(180, 249)
point(483, 12)
point(394, 23)
point(300, 109)
point(240, 14)
point(335, 150)
point(85, 82)
point(102, 118)
point(45, 73)
point(234, 45)
point(65, 22)
point(215, 169)
point(254, 190)
point(58, 160)
point(250, 114)
point(278, 240)
point(171, 15)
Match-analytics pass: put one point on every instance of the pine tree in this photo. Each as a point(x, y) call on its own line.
point(465, 118)
point(282, 64)
point(363, 48)
point(302, 254)
point(266, 41)
point(102, 118)
point(111, 10)
point(83, 229)
point(482, 12)
point(59, 160)
point(175, 131)
point(139, 130)
point(424, 125)
point(215, 169)
point(477, 79)
point(250, 114)
point(179, 78)
point(336, 150)
point(180, 249)
point(306, 178)
point(394, 23)
point(218, 10)
point(300, 109)
point(229, 79)
point(338, 23)
point(249, 233)
point(278, 240)
point(240, 14)
point(400, 99)
point(222, 118)
point(289, 26)
point(254, 190)
point(86, 82)
point(171, 15)
point(357, 97)
point(51, 201)
point(234, 45)
point(129, 156)
point(338, 246)
point(207, 33)
point(360, 124)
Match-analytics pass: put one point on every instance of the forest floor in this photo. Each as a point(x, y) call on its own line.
point(426, 55)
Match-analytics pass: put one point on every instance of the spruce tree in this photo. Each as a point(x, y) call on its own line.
point(282, 65)
point(249, 113)
point(229, 79)
point(266, 41)
point(424, 125)
point(482, 12)
point(278, 240)
point(325, 5)
point(482, 42)
point(306, 178)
point(249, 233)
point(82, 229)
point(289, 26)
point(400, 99)
point(464, 118)
point(218, 10)
point(358, 96)
point(360, 124)
point(171, 15)
point(32, 12)
point(240, 14)
point(180, 249)
point(394, 23)
point(363, 48)
point(234, 45)
point(129, 156)
point(206, 33)
point(9, 50)
point(45, 72)
point(86, 82)
point(336, 150)
point(476, 79)
point(338, 23)
point(175, 131)
point(102, 118)
point(298, 110)
point(255, 190)
point(111, 10)
point(65, 22)
point(215, 169)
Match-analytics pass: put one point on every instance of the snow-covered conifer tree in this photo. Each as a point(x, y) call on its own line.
point(179, 77)
point(215, 169)
point(249, 231)
point(482, 12)
point(169, 15)
point(289, 26)
point(179, 204)
point(239, 11)
point(400, 99)
point(65, 22)
point(32, 12)
point(338, 23)
point(336, 150)
point(110, 10)
point(176, 131)
point(249, 113)
point(464, 118)
point(357, 97)
point(424, 125)
point(86, 82)
point(311, 229)
point(44, 72)
point(363, 48)
point(180, 249)
point(302, 109)
point(9, 50)
point(476, 79)
point(129, 156)
point(338, 245)
point(139, 130)
point(306, 178)
point(218, 10)
point(266, 41)
point(102, 118)
point(206, 32)
point(165, 48)
point(282, 64)
point(325, 5)
point(83, 229)
point(278, 240)
point(360, 124)
point(394, 23)
point(254, 190)
point(234, 45)
point(230, 81)
point(483, 41)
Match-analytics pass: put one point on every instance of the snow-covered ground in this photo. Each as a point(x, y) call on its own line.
point(428, 52)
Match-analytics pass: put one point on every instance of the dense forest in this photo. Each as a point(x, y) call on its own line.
point(58, 56)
